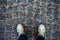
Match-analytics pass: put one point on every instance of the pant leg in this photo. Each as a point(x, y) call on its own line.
point(23, 37)
point(40, 38)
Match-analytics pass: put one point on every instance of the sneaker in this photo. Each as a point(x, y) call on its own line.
point(41, 30)
point(20, 29)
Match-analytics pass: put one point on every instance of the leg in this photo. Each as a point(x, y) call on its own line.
point(22, 37)
point(40, 38)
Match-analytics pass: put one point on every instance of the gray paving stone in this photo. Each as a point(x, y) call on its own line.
point(3, 10)
point(2, 23)
point(55, 34)
point(8, 15)
point(49, 27)
point(2, 38)
point(36, 16)
point(36, 10)
point(14, 35)
point(3, 3)
point(10, 2)
point(43, 4)
point(2, 34)
point(9, 22)
point(55, 27)
point(29, 21)
point(29, 8)
point(37, 4)
point(56, 14)
point(49, 1)
point(10, 9)
point(2, 17)
point(43, 0)
point(29, 15)
point(8, 28)
point(48, 34)
point(2, 29)
point(8, 35)
point(31, 1)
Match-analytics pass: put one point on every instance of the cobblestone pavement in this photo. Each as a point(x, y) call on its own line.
point(30, 13)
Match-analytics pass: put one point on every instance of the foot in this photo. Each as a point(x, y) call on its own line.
point(20, 29)
point(41, 30)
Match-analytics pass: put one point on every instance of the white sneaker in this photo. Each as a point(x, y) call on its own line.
point(20, 29)
point(41, 30)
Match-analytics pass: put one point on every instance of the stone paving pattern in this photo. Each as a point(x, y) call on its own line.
point(30, 13)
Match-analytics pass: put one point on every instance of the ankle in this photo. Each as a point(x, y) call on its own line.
point(42, 34)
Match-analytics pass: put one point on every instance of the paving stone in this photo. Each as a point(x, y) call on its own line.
point(8, 15)
point(10, 9)
point(3, 3)
point(56, 14)
point(22, 14)
point(48, 34)
point(2, 23)
point(29, 22)
point(28, 32)
point(55, 34)
point(8, 38)
point(13, 38)
point(29, 15)
point(29, 8)
point(43, 4)
point(23, 1)
point(10, 2)
point(2, 34)
point(35, 23)
point(50, 5)
point(49, 1)
point(55, 20)
point(15, 15)
point(55, 27)
point(14, 27)
point(14, 34)
point(37, 4)
point(20, 7)
point(35, 32)
point(55, 6)
point(49, 13)
point(18, 20)
point(42, 18)
point(18, 1)
point(56, 1)
point(31, 1)
point(8, 28)
point(2, 38)
point(49, 39)
point(36, 10)
point(2, 17)
point(49, 20)
point(43, 0)
point(9, 22)
point(36, 16)
point(2, 29)
point(54, 39)
point(49, 27)
point(43, 11)
point(8, 35)
point(3, 9)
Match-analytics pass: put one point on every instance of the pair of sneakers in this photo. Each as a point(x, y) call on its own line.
point(41, 29)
